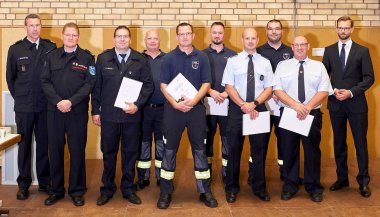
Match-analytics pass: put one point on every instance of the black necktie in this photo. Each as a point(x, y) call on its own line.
point(34, 47)
point(342, 56)
point(250, 80)
point(301, 83)
point(123, 60)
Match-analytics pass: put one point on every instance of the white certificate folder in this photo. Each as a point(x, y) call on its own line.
point(260, 125)
point(289, 121)
point(180, 87)
point(214, 108)
point(129, 92)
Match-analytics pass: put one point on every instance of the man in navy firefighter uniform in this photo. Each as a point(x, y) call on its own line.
point(24, 62)
point(153, 114)
point(191, 113)
point(67, 80)
point(119, 124)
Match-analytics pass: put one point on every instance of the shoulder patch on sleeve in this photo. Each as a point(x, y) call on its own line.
point(92, 70)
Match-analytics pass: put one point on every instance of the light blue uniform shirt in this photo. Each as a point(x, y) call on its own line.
point(315, 77)
point(120, 58)
point(235, 73)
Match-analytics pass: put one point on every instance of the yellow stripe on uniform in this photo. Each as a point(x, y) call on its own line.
point(202, 175)
point(224, 162)
point(144, 164)
point(167, 174)
point(158, 163)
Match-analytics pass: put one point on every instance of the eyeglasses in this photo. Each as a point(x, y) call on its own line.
point(71, 35)
point(343, 28)
point(121, 36)
point(274, 29)
point(300, 45)
point(185, 34)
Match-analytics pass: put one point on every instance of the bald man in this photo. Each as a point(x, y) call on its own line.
point(301, 85)
point(248, 79)
point(152, 115)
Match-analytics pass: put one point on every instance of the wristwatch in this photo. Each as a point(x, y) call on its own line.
point(256, 102)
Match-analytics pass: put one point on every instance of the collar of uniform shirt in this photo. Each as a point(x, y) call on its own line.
point(37, 42)
point(297, 62)
point(213, 50)
point(348, 45)
point(254, 55)
point(75, 49)
point(126, 57)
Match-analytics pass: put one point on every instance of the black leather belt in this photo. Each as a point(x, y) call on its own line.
point(156, 105)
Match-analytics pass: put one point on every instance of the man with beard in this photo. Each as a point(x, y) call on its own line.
point(350, 67)
point(217, 54)
point(152, 115)
point(275, 51)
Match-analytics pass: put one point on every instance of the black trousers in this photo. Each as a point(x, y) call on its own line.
point(274, 121)
point(151, 125)
point(72, 126)
point(112, 134)
point(359, 127)
point(312, 157)
point(212, 123)
point(174, 124)
point(258, 147)
point(27, 123)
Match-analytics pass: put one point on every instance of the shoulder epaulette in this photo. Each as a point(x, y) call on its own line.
point(47, 40)
point(106, 51)
point(18, 42)
point(89, 52)
point(50, 51)
point(233, 56)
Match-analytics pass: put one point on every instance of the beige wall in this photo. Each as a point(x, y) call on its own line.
point(236, 13)
point(98, 39)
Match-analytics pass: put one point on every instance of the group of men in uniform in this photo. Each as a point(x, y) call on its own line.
point(52, 101)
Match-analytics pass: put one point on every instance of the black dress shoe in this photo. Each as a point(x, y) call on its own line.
point(338, 185)
point(231, 197)
point(164, 201)
point(264, 196)
point(365, 191)
point(142, 185)
point(316, 197)
point(102, 199)
point(46, 189)
point(133, 198)
point(285, 195)
point(208, 199)
point(78, 200)
point(52, 199)
point(22, 194)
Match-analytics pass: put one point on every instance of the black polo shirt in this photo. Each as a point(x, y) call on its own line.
point(218, 63)
point(284, 52)
point(155, 67)
point(195, 67)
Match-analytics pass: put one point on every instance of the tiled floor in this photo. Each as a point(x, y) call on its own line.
point(185, 199)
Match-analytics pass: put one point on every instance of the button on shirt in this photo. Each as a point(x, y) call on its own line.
point(315, 76)
point(235, 73)
point(347, 48)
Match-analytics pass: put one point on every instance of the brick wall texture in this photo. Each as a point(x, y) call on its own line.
point(108, 13)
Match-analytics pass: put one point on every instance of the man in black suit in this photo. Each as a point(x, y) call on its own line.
point(350, 67)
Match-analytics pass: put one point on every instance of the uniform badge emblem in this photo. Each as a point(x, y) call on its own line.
point(195, 64)
point(286, 56)
point(92, 70)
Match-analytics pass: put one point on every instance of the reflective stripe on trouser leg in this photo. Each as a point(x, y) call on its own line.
point(202, 172)
point(144, 161)
point(280, 162)
point(159, 153)
point(224, 155)
point(168, 166)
